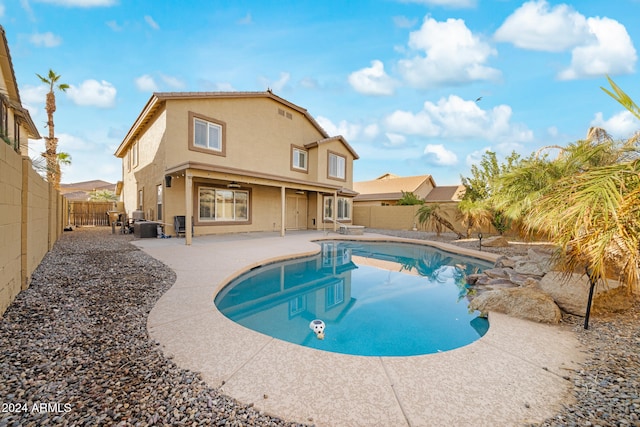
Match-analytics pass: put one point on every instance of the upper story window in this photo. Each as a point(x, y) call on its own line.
point(134, 154)
point(206, 134)
point(299, 158)
point(337, 166)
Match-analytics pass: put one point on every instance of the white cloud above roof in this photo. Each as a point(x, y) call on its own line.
point(620, 126)
point(448, 53)
point(47, 39)
point(93, 93)
point(437, 154)
point(537, 26)
point(612, 52)
point(146, 83)
point(459, 119)
point(598, 46)
point(373, 80)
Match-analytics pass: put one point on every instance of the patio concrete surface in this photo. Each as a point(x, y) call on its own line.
point(516, 374)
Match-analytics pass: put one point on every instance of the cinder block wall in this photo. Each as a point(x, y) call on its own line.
point(404, 218)
point(10, 225)
point(31, 221)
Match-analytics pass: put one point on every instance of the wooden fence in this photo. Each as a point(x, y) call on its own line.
point(89, 213)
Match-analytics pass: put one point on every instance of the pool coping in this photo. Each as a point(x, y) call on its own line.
point(516, 374)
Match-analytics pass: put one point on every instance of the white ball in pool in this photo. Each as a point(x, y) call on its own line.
point(317, 326)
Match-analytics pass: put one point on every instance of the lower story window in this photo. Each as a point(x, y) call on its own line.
point(343, 209)
point(223, 205)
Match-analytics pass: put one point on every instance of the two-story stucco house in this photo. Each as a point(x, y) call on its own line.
point(235, 162)
point(16, 126)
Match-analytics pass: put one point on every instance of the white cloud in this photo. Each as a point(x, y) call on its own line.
point(92, 92)
point(114, 26)
point(395, 139)
point(34, 94)
point(452, 55)
point(457, 4)
point(47, 39)
point(598, 46)
point(224, 87)
point(2, 9)
point(611, 52)
point(437, 154)
point(348, 130)
point(373, 80)
point(620, 126)
point(456, 118)
point(279, 84)
point(174, 82)
point(412, 124)
point(146, 83)
point(371, 131)
point(536, 26)
point(475, 157)
point(80, 3)
point(153, 24)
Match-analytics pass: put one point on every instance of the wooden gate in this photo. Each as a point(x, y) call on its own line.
point(89, 213)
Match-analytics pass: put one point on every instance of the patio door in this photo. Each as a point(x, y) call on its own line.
point(296, 212)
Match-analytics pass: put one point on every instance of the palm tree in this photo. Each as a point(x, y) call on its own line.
point(51, 142)
point(431, 214)
point(586, 202)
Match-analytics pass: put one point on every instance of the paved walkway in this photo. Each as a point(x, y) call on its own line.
point(516, 374)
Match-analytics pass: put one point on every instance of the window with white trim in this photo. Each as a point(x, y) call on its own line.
point(337, 166)
point(217, 204)
point(334, 294)
point(344, 208)
point(299, 159)
point(159, 201)
point(207, 135)
point(134, 154)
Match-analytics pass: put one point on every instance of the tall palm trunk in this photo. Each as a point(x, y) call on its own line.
point(51, 142)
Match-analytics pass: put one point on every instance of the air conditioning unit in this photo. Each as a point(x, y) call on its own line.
point(137, 215)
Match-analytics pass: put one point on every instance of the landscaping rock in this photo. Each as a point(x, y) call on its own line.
point(571, 293)
point(495, 242)
point(525, 303)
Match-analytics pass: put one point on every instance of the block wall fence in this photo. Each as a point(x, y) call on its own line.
point(32, 215)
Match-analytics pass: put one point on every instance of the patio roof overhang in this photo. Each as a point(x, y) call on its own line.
point(242, 176)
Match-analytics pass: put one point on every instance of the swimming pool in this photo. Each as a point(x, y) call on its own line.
point(375, 299)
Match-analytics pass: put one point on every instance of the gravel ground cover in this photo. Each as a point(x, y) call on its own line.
point(74, 350)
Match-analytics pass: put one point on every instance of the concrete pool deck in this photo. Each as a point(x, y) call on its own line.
point(514, 375)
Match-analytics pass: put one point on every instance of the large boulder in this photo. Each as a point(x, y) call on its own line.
point(525, 303)
point(571, 293)
point(495, 242)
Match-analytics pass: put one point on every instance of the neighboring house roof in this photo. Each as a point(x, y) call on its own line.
point(446, 193)
point(11, 87)
point(81, 190)
point(158, 98)
point(389, 186)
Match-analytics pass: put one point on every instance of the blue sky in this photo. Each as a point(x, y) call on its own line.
point(415, 86)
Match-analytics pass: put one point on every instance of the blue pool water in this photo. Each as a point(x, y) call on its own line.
point(375, 299)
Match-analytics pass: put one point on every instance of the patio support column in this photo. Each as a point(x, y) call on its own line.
point(188, 198)
point(335, 211)
point(283, 213)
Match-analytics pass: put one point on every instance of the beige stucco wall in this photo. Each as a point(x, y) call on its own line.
point(31, 216)
point(258, 142)
point(402, 217)
point(10, 224)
